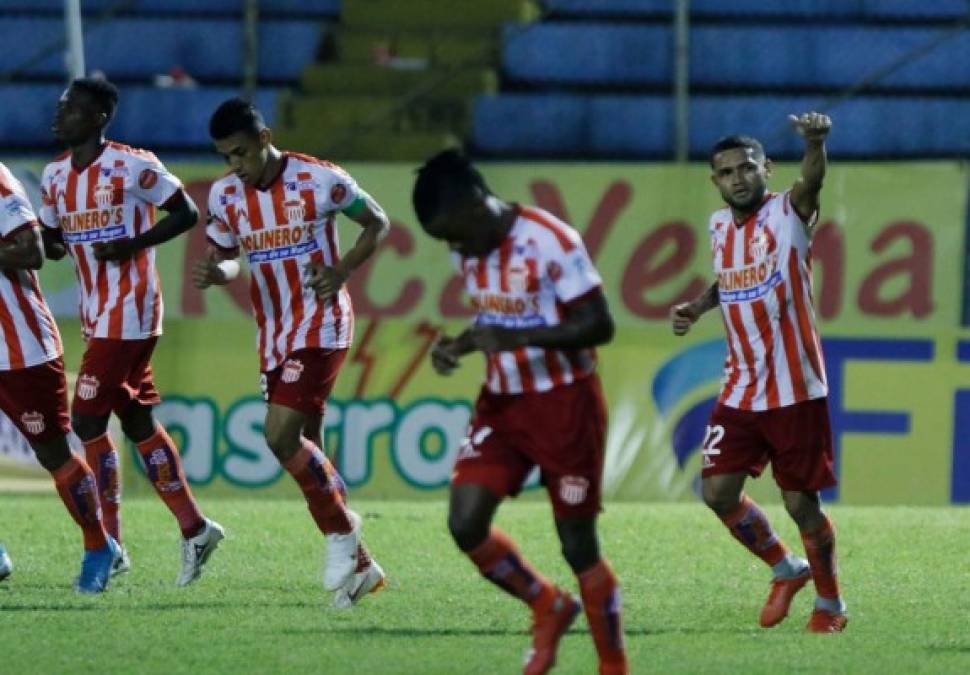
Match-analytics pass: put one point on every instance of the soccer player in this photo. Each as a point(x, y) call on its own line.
point(99, 205)
point(772, 407)
point(540, 313)
point(280, 209)
point(33, 389)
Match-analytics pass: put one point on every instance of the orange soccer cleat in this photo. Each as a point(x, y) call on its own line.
point(780, 597)
point(548, 627)
point(824, 621)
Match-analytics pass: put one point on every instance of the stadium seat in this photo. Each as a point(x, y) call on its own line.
point(938, 10)
point(588, 54)
point(147, 116)
point(531, 125)
point(317, 8)
point(133, 48)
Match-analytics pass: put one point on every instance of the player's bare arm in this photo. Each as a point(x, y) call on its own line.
point(326, 281)
point(814, 128)
point(182, 214)
point(53, 239)
point(686, 314)
point(217, 268)
point(23, 251)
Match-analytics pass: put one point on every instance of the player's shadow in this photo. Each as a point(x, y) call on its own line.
point(436, 632)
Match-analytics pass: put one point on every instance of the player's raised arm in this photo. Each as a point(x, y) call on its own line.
point(22, 251)
point(367, 213)
point(181, 215)
point(813, 127)
point(686, 314)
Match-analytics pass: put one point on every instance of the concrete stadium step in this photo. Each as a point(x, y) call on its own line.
point(362, 79)
point(331, 115)
point(380, 146)
point(443, 13)
point(430, 45)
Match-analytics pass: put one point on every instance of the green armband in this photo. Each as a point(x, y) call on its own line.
point(355, 207)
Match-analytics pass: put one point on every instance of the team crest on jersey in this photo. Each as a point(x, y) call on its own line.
point(518, 279)
point(292, 370)
point(87, 387)
point(573, 489)
point(33, 422)
point(295, 211)
point(104, 195)
point(758, 248)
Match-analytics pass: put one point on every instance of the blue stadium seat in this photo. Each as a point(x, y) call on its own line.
point(588, 54)
point(610, 8)
point(864, 128)
point(939, 10)
point(141, 48)
point(530, 125)
point(824, 57)
point(631, 126)
point(146, 117)
point(321, 8)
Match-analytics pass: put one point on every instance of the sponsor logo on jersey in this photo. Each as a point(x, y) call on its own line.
point(147, 179)
point(87, 387)
point(338, 193)
point(33, 422)
point(277, 243)
point(94, 225)
point(749, 282)
point(573, 489)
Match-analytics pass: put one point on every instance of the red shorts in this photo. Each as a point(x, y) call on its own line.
point(305, 380)
point(114, 373)
point(35, 400)
point(563, 431)
point(796, 440)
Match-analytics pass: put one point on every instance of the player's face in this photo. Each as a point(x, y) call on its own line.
point(741, 177)
point(471, 229)
point(77, 118)
point(246, 154)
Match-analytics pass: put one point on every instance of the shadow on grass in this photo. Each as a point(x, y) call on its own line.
point(481, 632)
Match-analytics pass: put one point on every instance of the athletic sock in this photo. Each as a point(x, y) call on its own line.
point(319, 482)
point(78, 490)
point(102, 456)
point(820, 550)
point(604, 611)
point(499, 561)
point(749, 525)
point(164, 468)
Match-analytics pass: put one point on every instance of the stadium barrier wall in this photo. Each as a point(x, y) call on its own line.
point(889, 255)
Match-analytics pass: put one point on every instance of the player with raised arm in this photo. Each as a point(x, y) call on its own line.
point(33, 389)
point(773, 406)
point(280, 209)
point(540, 314)
point(99, 206)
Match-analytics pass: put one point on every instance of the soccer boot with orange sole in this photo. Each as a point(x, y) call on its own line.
point(824, 621)
point(548, 627)
point(779, 598)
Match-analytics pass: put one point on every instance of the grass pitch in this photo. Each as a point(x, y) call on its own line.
point(692, 595)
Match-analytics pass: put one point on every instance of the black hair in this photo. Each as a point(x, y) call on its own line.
point(445, 180)
point(233, 116)
point(738, 141)
point(103, 93)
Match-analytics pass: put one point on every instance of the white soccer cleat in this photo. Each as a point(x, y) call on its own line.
point(341, 556)
point(196, 551)
point(370, 580)
point(6, 565)
point(122, 563)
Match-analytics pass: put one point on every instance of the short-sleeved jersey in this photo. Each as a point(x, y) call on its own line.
point(528, 281)
point(30, 335)
point(281, 229)
point(114, 197)
point(764, 274)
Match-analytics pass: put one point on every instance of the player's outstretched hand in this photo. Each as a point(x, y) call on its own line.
point(115, 250)
point(812, 126)
point(682, 317)
point(444, 355)
point(206, 272)
point(325, 281)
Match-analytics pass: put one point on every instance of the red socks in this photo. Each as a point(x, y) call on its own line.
point(820, 550)
point(102, 457)
point(76, 485)
point(500, 562)
point(319, 482)
point(164, 468)
point(604, 606)
point(749, 525)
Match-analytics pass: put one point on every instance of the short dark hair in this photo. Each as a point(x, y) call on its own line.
point(103, 93)
point(235, 115)
point(738, 141)
point(446, 179)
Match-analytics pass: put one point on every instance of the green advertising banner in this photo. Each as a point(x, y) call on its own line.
point(889, 254)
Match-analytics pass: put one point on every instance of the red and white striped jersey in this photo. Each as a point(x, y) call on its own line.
point(764, 274)
point(540, 267)
point(114, 197)
point(281, 229)
point(30, 335)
